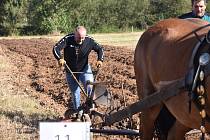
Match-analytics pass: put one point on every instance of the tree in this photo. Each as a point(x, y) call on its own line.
point(162, 9)
point(43, 16)
point(12, 16)
point(48, 16)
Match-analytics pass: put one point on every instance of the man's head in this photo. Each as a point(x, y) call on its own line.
point(199, 7)
point(80, 34)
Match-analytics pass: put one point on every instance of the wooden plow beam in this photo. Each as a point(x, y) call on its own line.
point(166, 92)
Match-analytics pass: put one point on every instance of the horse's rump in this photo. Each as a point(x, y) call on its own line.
point(162, 55)
point(167, 47)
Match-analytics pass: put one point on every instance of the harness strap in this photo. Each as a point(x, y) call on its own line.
point(198, 90)
point(195, 50)
point(191, 74)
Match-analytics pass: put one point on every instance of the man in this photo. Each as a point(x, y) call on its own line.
point(198, 11)
point(76, 49)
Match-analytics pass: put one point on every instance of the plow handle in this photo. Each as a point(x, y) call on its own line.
point(82, 89)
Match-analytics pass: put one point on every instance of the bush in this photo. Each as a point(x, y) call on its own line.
point(3, 31)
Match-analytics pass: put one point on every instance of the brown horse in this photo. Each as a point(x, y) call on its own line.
point(163, 55)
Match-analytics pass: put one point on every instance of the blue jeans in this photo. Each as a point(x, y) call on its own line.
point(82, 77)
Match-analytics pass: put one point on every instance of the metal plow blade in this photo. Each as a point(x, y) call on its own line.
point(102, 96)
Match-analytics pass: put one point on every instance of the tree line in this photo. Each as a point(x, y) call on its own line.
point(38, 17)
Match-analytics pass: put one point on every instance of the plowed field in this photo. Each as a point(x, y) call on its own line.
point(31, 70)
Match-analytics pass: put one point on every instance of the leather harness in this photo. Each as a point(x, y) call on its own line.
point(196, 85)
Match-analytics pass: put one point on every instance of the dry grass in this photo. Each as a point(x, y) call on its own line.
point(118, 39)
point(19, 113)
point(129, 39)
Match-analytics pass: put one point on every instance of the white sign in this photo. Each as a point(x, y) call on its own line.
point(64, 130)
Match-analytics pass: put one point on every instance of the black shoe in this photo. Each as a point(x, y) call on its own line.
point(70, 113)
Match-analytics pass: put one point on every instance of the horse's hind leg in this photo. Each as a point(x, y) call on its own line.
point(145, 88)
point(149, 115)
point(164, 122)
point(177, 131)
point(148, 119)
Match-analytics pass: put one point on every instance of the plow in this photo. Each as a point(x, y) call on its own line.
point(122, 116)
point(162, 82)
point(101, 122)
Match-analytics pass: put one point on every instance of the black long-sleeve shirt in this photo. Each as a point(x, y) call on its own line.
point(76, 55)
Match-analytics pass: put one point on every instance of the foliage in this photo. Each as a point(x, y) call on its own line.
point(27, 17)
point(12, 16)
point(167, 9)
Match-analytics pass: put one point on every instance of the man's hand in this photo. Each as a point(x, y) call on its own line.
point(61, 62)
point(99, 63)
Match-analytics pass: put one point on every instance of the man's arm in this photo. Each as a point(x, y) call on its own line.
point(99, 49)
point(58, 47)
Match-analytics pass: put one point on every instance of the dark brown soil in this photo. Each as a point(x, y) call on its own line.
point(34, 58)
